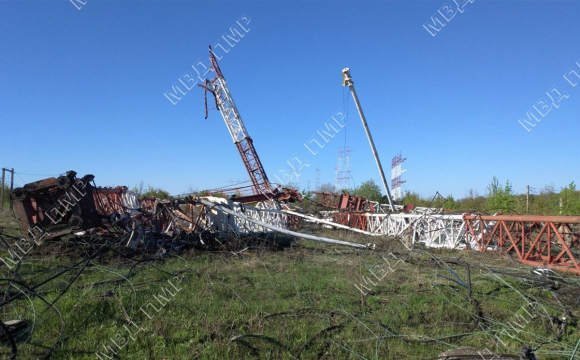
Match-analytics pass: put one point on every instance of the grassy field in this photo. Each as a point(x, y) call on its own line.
point(297, 300)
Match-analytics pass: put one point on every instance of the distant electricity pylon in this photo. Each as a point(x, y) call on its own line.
point(396, 172)
point(342, 169)
point(317, 178)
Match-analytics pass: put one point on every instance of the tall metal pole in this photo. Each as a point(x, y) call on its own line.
point(11, 187)
point(347, 81)
point(2, 191)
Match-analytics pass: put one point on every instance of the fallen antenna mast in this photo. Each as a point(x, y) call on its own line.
point(263, 190)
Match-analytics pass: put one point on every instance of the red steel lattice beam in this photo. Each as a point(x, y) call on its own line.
point(547, 241)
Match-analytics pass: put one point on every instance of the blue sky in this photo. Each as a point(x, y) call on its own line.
point(84, 90)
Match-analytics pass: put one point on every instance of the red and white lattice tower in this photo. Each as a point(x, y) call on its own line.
point(396, 172)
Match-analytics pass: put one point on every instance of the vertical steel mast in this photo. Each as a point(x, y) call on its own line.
point(227, 107)
point(347, 81)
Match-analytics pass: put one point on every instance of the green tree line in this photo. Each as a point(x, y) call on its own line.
point(502, 198)
point(498, 198)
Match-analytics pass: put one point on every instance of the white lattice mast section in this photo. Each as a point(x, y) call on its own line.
point(396, 172)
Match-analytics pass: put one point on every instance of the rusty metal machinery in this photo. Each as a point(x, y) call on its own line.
point(54, 206)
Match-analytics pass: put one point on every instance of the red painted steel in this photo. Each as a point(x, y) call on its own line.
point(355, 220)
point(547, 241)
point(345, 202)
point(109, 200)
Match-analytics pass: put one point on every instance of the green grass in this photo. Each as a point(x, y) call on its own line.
point(298, 302)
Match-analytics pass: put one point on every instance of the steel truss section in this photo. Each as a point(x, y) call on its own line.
point(116, 200)
point(547, 241)
point(218, 220)
point(241, 214)
point(431, 230)
point(272, 217)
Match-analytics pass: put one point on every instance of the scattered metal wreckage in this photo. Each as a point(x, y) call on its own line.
point(54, 207)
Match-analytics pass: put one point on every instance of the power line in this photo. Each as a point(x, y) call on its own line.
point(39, 174)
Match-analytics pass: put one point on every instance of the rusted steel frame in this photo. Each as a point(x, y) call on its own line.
point(513, 236)
point(106, 205)
point(536, 241)
point(550, 236)
point(551, 266)
point(501, 236)
point(513, 241)
point(105, 202)
point(283, 195)
point(254, 166)
point(565, 248)
point(161, 217)
point(523, 238)
point(363, 222)
point(575, 238)
point(543, 247)
point(341, 218)
point(508, 235)
point(113, 198)
point(178, 214)
point(70, 197)
point(470, 228)
point(482, 243)
point(329, 200)
point(351, 219)
point(493, 231)
point(344, 202)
